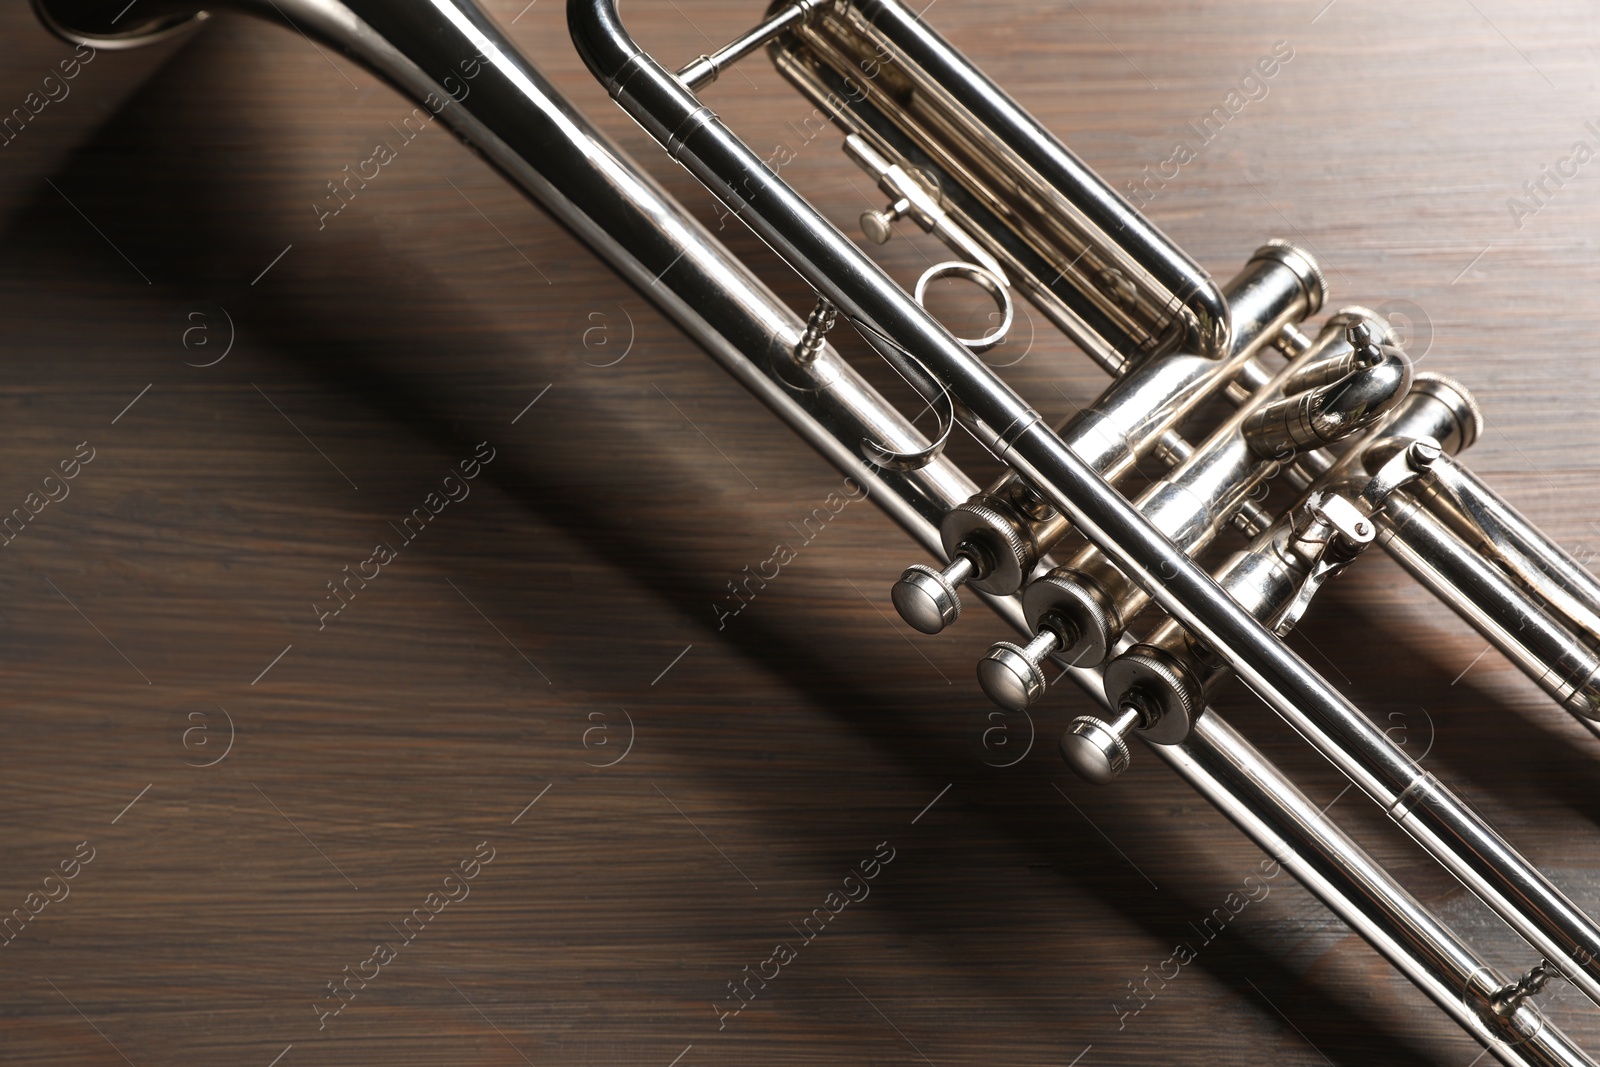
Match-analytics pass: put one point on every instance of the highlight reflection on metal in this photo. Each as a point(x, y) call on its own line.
point(1370, 447)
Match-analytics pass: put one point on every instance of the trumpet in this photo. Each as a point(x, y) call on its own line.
point(1369, 447)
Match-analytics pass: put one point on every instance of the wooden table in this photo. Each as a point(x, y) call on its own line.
point(269, 790)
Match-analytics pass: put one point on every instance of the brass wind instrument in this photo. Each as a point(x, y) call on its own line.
point(1053, 546)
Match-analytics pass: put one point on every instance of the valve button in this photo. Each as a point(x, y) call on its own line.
point(926, 599)
point(1009, 677)
point(1094, 750)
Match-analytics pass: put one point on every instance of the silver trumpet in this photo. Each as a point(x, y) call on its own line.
point(1052, 546)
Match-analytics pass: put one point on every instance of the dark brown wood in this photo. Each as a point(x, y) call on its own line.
point(575, 589)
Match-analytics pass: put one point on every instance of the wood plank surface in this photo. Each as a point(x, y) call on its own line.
point(268, 790)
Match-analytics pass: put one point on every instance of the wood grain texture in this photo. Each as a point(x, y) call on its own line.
point(572, 591)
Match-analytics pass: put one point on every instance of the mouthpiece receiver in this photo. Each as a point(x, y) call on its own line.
point(1339, 395)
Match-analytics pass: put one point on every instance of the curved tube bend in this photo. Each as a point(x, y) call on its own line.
point(1329, 413)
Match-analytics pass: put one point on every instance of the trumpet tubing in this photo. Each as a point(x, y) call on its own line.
point(1371, 450)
